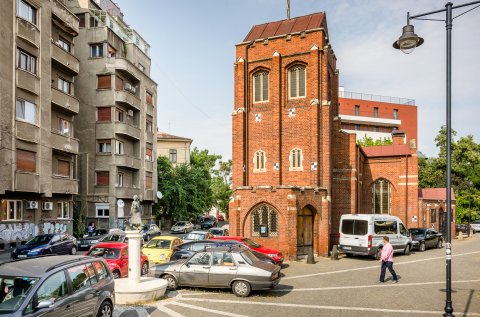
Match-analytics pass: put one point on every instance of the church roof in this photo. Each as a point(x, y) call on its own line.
point(434, 194)
point(387, 150)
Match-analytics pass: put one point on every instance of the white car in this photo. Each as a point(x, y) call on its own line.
point(197, 235)
point(182, 226)
point(475, 226)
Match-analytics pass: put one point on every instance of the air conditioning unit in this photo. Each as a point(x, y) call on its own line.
point(32, 204)
point(129, 87)
point(130, 113)
point(47, 205)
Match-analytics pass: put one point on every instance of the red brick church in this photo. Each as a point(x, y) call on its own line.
point(295, 171)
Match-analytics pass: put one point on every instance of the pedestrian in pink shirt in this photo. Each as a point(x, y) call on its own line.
point(387, 260)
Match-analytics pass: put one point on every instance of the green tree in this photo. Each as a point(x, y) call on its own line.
point(368, 141)
point(221, 186)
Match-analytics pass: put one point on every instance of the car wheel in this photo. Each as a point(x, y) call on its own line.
point(171, 282)
point(407, 250)
point(73, 251)
point(116, 274)
point(144, 268)
point(440, 244)
point(105, 310)
point(421, 248)
point(241, 288)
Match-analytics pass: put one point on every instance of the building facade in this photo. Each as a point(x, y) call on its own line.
point(38, 134)
point(116, 123)
point(432, 205)
point(176, 148)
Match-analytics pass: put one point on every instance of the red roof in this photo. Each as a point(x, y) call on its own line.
point(283, 27)
point(434, 194)
point(387, 150)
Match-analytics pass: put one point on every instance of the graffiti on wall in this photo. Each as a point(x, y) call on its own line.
point(54, 227)
point(24, 231)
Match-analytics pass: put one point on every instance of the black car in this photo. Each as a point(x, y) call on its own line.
point(61, 243)
point(86, 242)
point(208, 222)
point(426, 238)
point(56, 286)
point(185, 250)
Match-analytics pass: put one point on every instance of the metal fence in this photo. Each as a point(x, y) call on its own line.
point(378, 98)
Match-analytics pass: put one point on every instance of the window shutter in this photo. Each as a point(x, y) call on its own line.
point(104, 114)
point(301, 81)
point(104, 82)
point(103, 178)
point(148, 182)
point(118, 83)
point(265, 86)
point(148, 99)
point(26, 161)
point(293, 82)
point(63, 168)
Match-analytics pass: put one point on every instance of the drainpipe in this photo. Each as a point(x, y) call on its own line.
point(245, 124)
point(406, 189)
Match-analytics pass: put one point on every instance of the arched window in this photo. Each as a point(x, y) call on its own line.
point(260, 86)
point(296, 159)
point(297, 81)
point(259, 160)
point(381, 197)
point(262, 216)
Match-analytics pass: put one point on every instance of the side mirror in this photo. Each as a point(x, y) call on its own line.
point(44, 304)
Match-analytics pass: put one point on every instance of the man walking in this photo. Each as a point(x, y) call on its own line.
point(387, 260)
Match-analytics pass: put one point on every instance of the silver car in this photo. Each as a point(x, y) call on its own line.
point(475, 226)
point(182, 226)
point(221, 267)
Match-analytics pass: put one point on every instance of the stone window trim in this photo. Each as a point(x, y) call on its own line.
point(63, 210)
point(296, 160)
point(102, 211)
point(11, 210)
point(261, 86)
point(259, 162)
point(297, 81)
point(264, 214)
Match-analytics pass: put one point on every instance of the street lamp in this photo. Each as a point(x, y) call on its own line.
point(407, 42)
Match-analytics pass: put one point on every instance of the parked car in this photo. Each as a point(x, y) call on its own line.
point(427, 238)
point(276, 255)
point(116, 256)
point(363, 234)
point(185, 250)
point(225, 267)
point(220, 217)
point(115, 235)
point(208, 222)
point(197, 235)
point(56, 286)
point(218, 232)
point(182, 226)
point(87, 241)
point(475, 225)
point(159, 249)
point(150, 231)
point(461, 227)
point(61, 243)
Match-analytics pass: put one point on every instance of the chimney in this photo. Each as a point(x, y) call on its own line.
point(398, 137)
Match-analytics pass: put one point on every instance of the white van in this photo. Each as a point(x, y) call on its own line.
point(363, 234)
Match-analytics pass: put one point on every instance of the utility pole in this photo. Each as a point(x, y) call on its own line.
point(288, 9)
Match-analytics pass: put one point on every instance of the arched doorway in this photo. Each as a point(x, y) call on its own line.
point(304, 230)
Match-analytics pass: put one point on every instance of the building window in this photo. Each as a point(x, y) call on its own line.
point(260, 86)
point(296, 160)
point(264, 215)
point(104, 146)
point(26, 161)
point(64, 85)
point(63, 168)
point(104, 114)
point(26, 61)
point(119, 179)
point(103, 178)
point(102, 210)
point(104, 82)
point(395, 114)
point(433, 215)
point(376, 129)
point(172, 154)
point(381, 197)
point(118, 83)
point(259, 161)
point(149, 99)
point(26, 111)
point(94, 21)
point(63, 210)
point(148, 181)
point(375, 112)
point(64, 127)
point(96, 50)
point(81, 20)
point(119, 147)
point(12, 210)
point(297, 82)
point(357, 127)
point(149, 126)
point(111, 51)
point(26, 11)
point(119, 115)
point(64, 44)
point(149, 154)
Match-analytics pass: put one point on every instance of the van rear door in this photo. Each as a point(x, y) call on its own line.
point(353, 233)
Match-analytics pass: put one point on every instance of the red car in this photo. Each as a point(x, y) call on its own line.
point(220, 218)
point(277, 256)
point(116, 256)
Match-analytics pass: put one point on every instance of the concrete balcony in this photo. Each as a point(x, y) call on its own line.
point(27, 182)
point(126, 192)
point(66, 19)
point(65, 101)
point(28, 32)
point(127, 161)
point(27, 131)
point(127, 130)
point(61, 185)
point(149, 166)
point(27, 81)
point(127, 68)
point(148, 194)
point(127, 98)
point(65, 60)
point(150, 110)
point(149, 137)
point(383, 122)
point(64, 143)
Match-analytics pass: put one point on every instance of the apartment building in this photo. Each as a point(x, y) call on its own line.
point(38, 140)
point(176, 148)
point(377, 117)
point(117, 118)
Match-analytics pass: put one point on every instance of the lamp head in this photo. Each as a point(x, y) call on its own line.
point(408, 40)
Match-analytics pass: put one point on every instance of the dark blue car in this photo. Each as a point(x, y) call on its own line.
point(46, 244)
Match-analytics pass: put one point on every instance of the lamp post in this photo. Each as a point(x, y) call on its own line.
point(407, 42)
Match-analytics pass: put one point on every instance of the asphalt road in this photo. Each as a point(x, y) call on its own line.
point(346, 287)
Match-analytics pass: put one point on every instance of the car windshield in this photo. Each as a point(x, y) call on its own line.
point(216, 232)
point(194, 236)
point(39, 240)
point(251, 243)
point(100, 232)
point(158, 244)
point(13, 291)
point(106, 253)
point(249, 257)
point(112, 237)
point(418, 232)
point(179, 224)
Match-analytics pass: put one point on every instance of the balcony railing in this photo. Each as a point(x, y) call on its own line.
point(66, 101)
point(61, 185)
point(66, 18)
point(377, 98)
point(28, 31)
point(66, 60)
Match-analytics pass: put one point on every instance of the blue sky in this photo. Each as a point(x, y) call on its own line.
point(193, 51)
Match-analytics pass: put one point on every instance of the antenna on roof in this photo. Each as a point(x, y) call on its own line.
point(288, 9)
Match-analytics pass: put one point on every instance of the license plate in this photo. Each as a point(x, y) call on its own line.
point(21, 256)
point(84, 245)
point(347, 248)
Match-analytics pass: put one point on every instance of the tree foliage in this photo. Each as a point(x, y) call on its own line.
point(368, 141)
point(221, 186)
